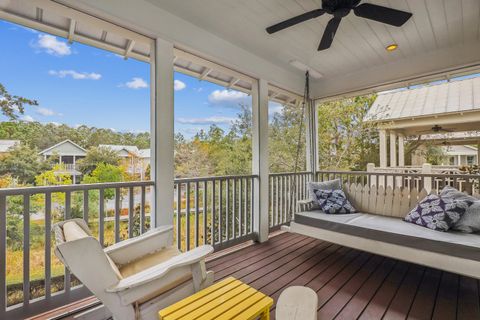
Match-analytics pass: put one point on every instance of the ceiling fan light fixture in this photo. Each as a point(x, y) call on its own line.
point(303, 67)
point(391, 47)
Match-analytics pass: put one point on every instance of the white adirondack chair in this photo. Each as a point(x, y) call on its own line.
point(134, 278)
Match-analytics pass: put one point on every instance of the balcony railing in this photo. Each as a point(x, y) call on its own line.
point(214, 210)
point(114, 212)
point(285, 189)
point(468, 183)
point(211, 210)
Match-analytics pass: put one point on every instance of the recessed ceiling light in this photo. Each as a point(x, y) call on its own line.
point(391, 47)
point(301, 66)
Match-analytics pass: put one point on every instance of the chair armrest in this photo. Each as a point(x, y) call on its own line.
point(146, 276)
point(304, 205)
point(131, 249)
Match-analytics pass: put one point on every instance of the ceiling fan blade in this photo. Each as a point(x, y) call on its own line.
point(329, 33)
point(295, 20)
point(382, 14)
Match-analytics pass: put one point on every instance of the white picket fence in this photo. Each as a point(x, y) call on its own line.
point(385, 201)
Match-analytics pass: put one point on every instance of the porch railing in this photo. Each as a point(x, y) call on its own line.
point(285, 189)
point(469, 183)
point(114, 212)
point(214, 210)
point(211, 210)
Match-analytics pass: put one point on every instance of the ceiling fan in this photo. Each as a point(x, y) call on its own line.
point(436, 129)
point(339, 9)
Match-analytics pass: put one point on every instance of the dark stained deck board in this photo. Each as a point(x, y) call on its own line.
point(313, 264)
point(338, 301)
point(424, 302)
point(273, 271)
point(352, 284)
point(446, 303)
point(252, 251)
point(468, 301)
point(247, 266)
point(360, 299)
point(381, 300)
point(403, 299)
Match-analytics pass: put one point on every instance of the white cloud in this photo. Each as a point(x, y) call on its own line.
point(206, 121)
point(75, 74)
point(27, 118)
point(136, 83)
point(51, 45)
point(56, 124)
point(219, 96)
point(274, 108)
point(179, 85)
point(46, 112)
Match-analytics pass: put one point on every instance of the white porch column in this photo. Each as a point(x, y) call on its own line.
point(74, 170)
point(393, 149)
point(162, 135)
point(478, 154)
point(401, 150)
point(260, 158)
point(382, 135)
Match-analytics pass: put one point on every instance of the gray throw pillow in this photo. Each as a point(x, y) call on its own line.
point(470, 221)
point(324, 185)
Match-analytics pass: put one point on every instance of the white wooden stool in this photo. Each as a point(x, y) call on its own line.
point(297, 303)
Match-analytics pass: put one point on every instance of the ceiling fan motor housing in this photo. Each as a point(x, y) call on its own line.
point(339, 8)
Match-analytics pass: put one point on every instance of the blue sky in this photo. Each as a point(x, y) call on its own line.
point(77, 84)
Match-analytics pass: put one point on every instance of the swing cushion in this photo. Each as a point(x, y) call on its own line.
point(324, 185)
point(392, 230)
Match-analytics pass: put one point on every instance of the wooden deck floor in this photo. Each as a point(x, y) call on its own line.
point(351, 284)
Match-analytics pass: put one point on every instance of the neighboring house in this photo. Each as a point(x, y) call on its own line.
point(461, 155)
point(450, 110)
point(68, 153)
point(144, 155)
point(133, 159)
point(7, 145)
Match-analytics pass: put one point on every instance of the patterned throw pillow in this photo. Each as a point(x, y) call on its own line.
point(333, 201)
point(437, 213)
point(312, 186)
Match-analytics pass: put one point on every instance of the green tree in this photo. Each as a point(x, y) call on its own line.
point(95, 156)
point(105, 172)
point(345, 140)
point(22, 163)
point(43, 136)
point(12, 105)
point(53, 177)
point(284, 131)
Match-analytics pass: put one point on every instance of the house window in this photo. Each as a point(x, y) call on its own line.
point(470, 160)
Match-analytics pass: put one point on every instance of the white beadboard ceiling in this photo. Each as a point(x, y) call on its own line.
point(442, 36)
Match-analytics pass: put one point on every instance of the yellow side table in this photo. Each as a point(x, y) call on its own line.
point(227, 299)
